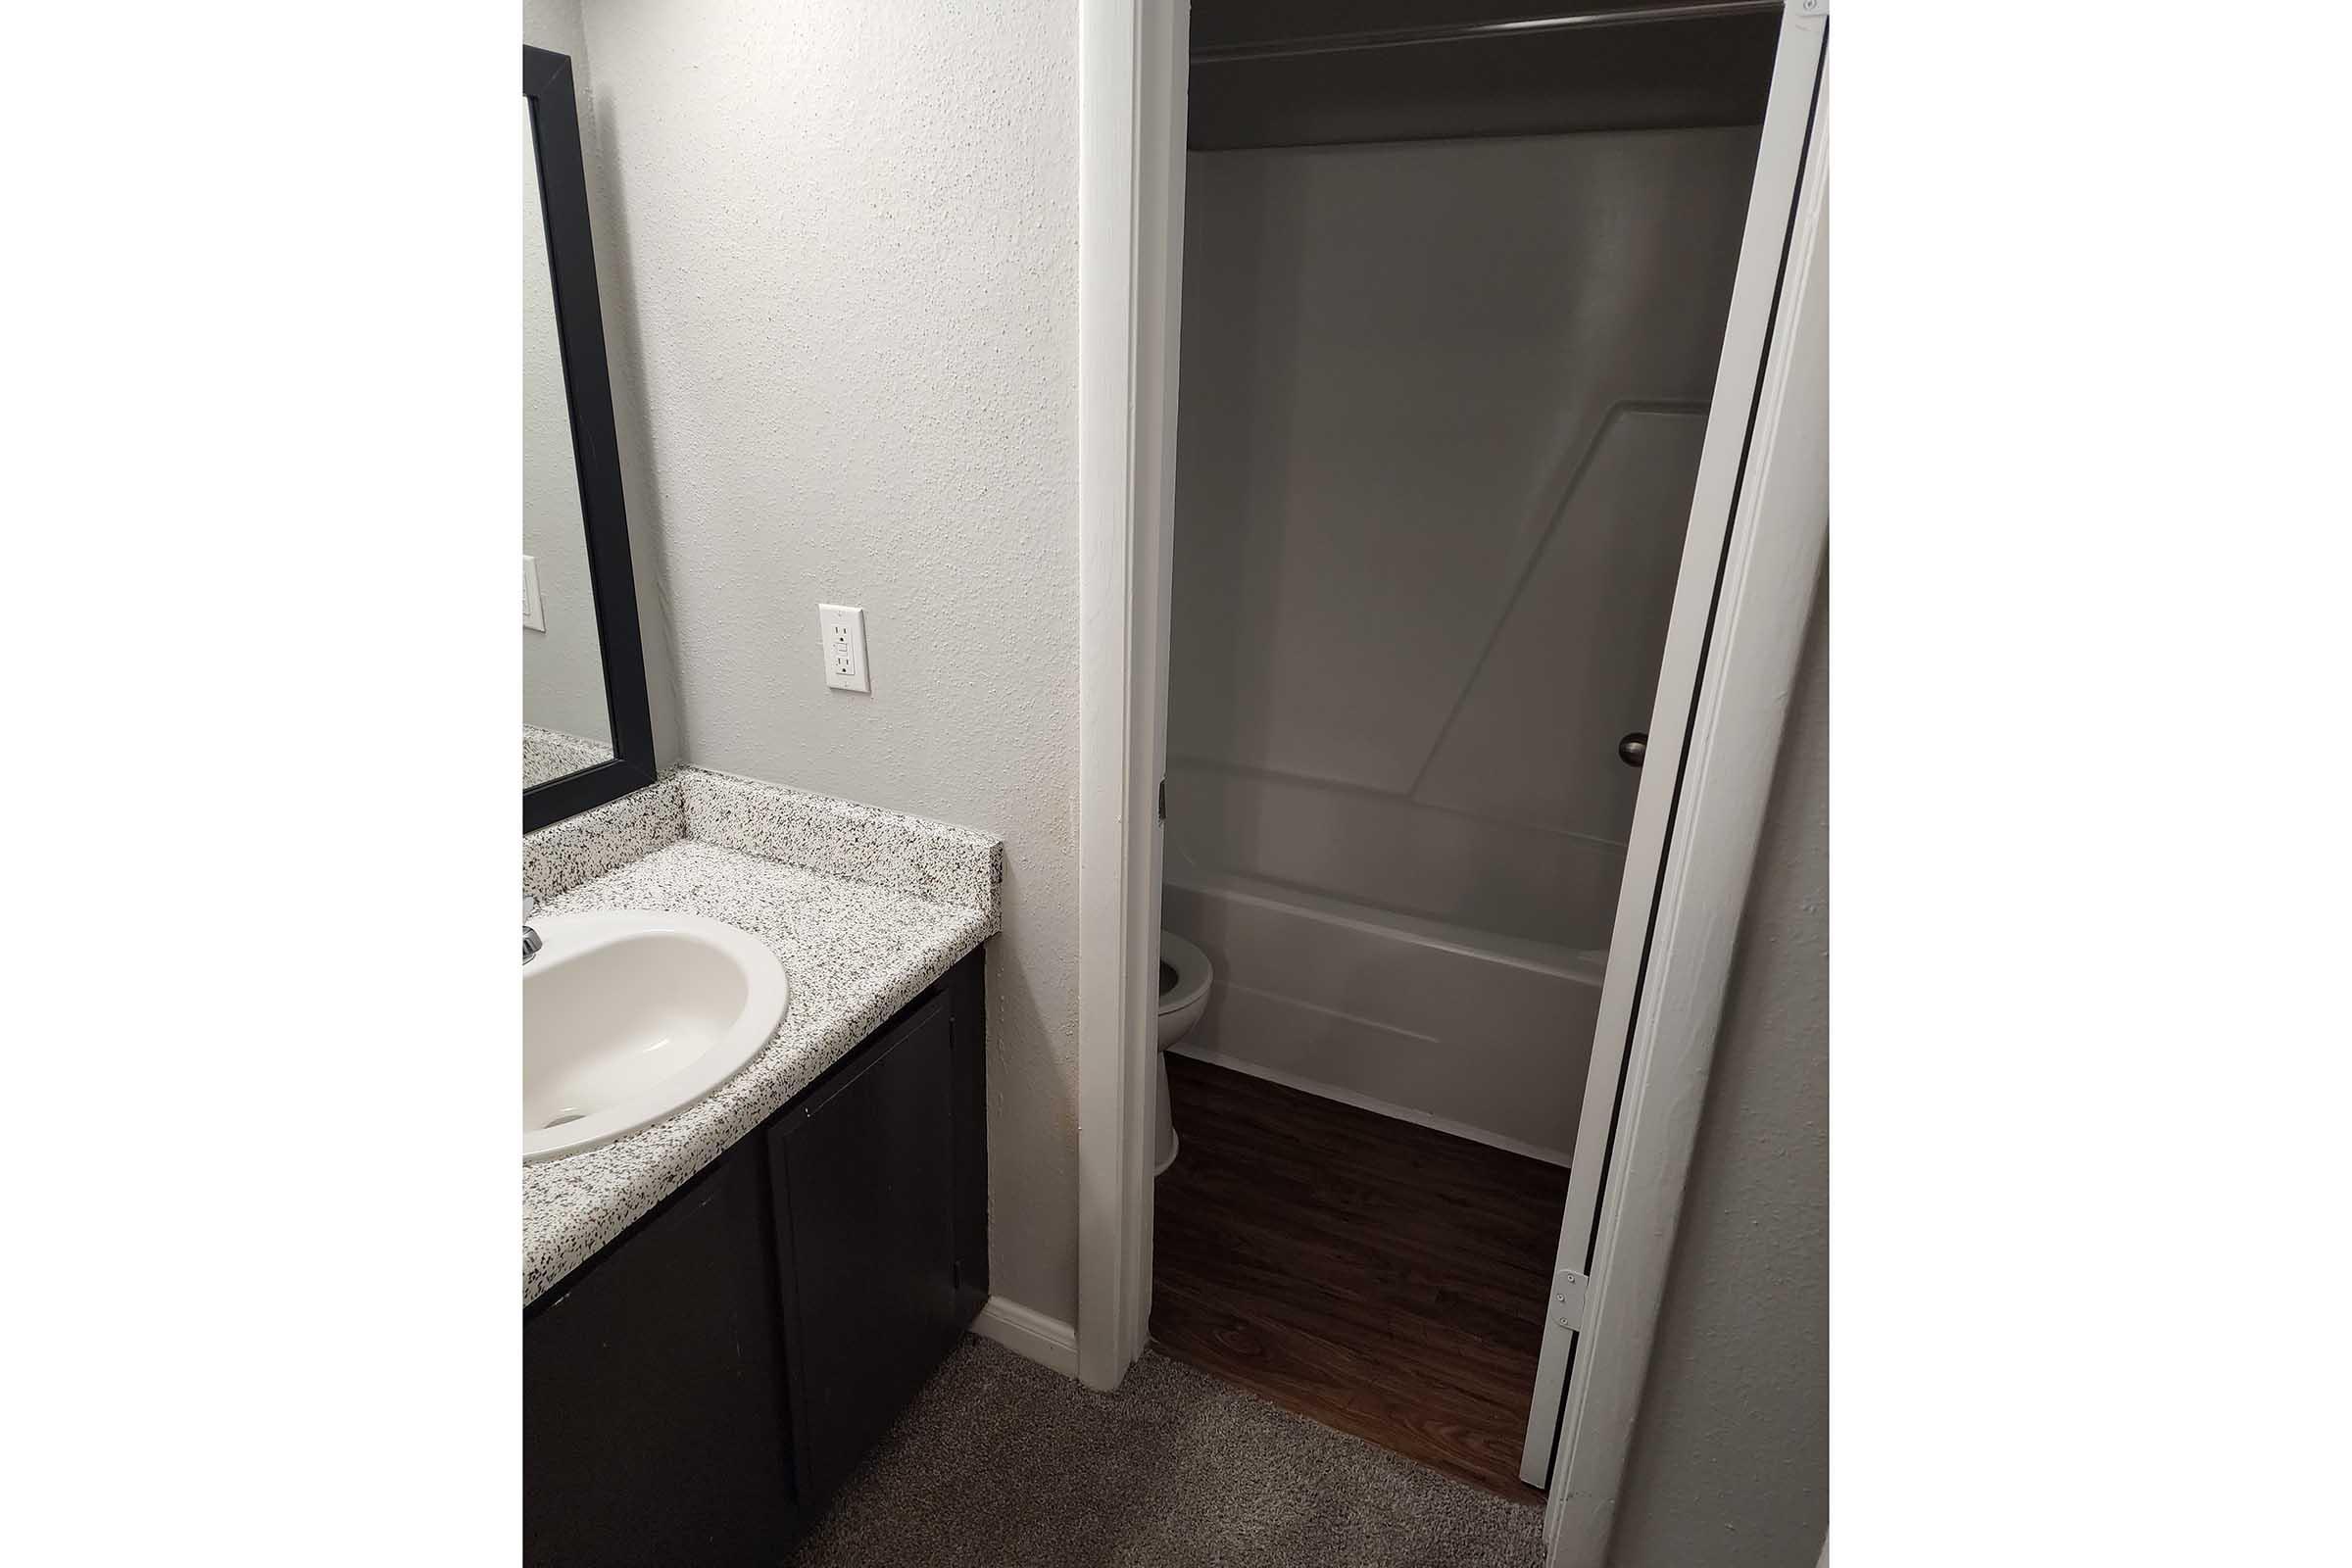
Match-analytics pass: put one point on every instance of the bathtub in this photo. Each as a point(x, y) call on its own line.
point(1482, 1034)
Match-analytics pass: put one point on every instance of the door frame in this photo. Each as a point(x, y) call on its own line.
point(1133, 66)
point(1133, 73)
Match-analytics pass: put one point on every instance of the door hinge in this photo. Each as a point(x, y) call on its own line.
point(1568, 1289)
point(1163, 800)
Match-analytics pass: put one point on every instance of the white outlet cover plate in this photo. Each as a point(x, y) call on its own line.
point(841, 630)
point(532, 617)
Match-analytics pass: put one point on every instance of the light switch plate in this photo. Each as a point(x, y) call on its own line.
point(532, 619)
point(842, 629)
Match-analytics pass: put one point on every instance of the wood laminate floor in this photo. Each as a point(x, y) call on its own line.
point(1376, 1276)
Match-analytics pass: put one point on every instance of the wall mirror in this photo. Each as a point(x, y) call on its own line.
point(587, 732)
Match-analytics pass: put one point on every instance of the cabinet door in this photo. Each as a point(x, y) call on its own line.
point(652, 1397)
point(865, 1230)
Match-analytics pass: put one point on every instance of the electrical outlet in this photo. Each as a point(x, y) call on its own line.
point(532, 619)
point(842, 629)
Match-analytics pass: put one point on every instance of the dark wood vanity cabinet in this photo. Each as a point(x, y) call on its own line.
point(654, 1417)
point(865, 1244)
point(698, 1389)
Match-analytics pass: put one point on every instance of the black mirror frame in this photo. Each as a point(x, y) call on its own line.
point(588, 388)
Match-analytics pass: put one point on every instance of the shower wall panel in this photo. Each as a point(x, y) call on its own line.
point(1442, 405)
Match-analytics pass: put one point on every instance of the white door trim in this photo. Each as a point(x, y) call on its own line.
point(1133, 68)
point(1131, 74)
point(1770, 564)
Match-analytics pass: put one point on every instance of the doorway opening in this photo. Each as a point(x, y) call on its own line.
point(1453, 309)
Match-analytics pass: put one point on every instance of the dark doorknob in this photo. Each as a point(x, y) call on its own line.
point(1631, 749)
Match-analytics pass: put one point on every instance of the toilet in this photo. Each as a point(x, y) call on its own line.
point(1184, 976)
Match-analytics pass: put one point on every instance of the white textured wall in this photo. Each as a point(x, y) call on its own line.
point(556, 25)
point(851, 235)
point(1729, 1463)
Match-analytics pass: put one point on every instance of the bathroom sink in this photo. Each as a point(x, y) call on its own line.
point(628, 1016)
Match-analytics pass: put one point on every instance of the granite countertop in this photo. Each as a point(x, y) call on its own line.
point(865, 908)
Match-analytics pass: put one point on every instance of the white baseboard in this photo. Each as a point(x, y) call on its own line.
point(1047, 1341)
point(1348, 1097)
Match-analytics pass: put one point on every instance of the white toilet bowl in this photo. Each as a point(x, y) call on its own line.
point(1184, 977)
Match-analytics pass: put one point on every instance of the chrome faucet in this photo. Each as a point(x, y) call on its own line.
point(530, 938)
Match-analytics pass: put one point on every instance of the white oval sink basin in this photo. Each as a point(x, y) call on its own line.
point(628, 1016)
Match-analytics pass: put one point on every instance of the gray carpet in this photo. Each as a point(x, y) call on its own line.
point(1002, 1462)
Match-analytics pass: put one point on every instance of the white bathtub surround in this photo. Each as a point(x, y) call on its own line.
point(1383, 851)
point(1427, 539)
point(855, 949)
point(1473, 1033)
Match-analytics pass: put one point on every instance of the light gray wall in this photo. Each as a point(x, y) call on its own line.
point(1442, 404)
point(851, 235)
point(558, 24)
point(1729, 1463)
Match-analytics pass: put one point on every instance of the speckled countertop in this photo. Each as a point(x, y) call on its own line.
point(865, 908)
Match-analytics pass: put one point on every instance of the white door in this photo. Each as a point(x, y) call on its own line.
point(1788, 123)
